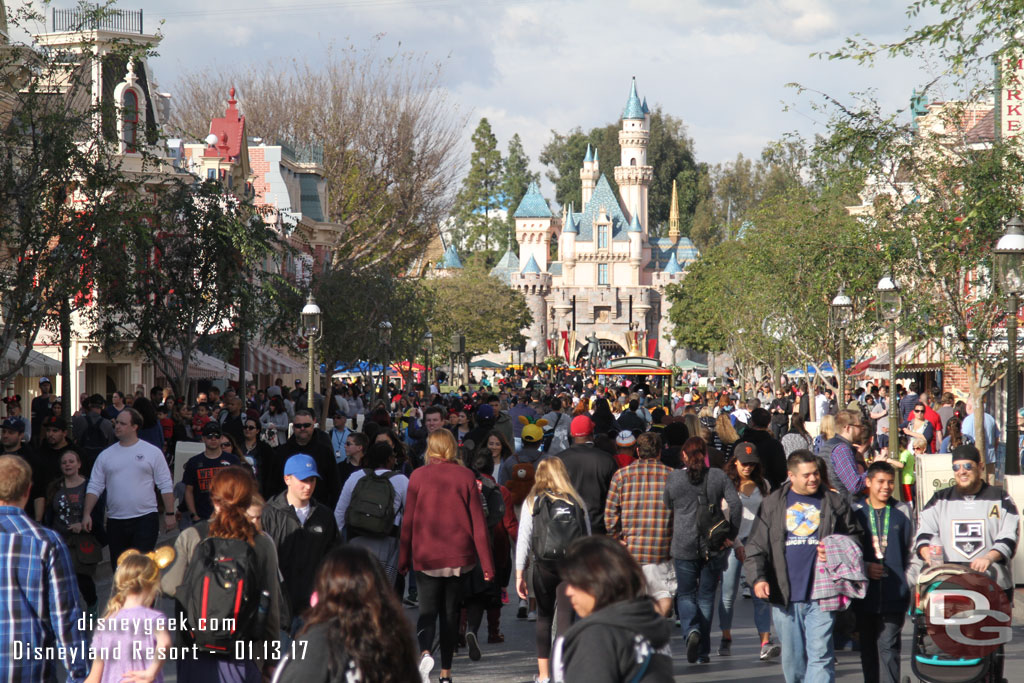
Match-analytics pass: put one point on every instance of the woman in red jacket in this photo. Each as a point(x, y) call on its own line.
point(444, 535)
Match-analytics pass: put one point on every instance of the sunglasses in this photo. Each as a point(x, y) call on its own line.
point(967, 467)
point(251, 427)
point(919, 412)
point(302, 425)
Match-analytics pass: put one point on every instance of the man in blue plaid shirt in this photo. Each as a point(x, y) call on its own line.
point(39, 610)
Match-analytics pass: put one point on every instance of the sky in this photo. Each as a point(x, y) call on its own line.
point(533, 66)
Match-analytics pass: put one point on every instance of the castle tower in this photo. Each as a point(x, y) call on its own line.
point(567, 254)
point(636, 233)
point(535, 284)
point(673, 218)
point(633, 175)
point(533, 227)
point(588, 175)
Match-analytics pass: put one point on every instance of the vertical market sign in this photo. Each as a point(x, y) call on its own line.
point(1010, 113)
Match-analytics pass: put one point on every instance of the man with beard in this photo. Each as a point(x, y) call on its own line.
point(55, 442)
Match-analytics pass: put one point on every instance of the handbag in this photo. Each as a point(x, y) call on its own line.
point(85, 548)
point(713, 529)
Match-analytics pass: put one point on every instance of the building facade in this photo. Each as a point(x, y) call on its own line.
point(609, 275)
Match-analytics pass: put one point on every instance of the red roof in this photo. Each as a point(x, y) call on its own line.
point(230, 132)
point(984, 130)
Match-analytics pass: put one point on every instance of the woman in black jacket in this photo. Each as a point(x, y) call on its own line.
point(620, 636)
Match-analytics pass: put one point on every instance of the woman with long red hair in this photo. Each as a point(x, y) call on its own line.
point(231, 491)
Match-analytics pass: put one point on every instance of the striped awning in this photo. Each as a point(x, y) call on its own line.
point(264, 360)
point(911, 357)
point(204, 366)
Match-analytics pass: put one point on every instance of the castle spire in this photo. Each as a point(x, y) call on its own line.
point(673, 216)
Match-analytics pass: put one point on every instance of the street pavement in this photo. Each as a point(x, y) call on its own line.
point(514, 661)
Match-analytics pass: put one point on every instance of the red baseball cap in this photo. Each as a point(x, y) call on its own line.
point(581, 425)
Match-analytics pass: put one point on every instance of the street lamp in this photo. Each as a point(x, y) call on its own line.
point(890, 303)
point(312, 330)
point(533, 345)
point(429, 339)
point(1009, 266)
point(384, 337)
point(773, 329)
point(842, 314)
point(672, 343)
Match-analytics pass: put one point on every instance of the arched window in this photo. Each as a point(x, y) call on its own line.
point(130, 120)
point(632, 162)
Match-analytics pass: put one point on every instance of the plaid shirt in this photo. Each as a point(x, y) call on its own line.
point(38, 600)
point(635, 512)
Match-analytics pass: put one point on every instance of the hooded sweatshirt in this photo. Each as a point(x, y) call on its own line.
point(618, 643)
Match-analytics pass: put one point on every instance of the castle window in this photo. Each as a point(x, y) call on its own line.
point(130, 120)
point(632, 162)
point(602, 273)
point(602, 237)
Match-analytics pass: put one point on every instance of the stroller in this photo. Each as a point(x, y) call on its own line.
point(928, 662)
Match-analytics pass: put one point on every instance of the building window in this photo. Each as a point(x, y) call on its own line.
point(130, 120)
point(211, 174)
point(602, 237)
point(602, 273)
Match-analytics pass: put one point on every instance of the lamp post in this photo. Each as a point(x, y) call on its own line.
point(533, 345)
point(842, 313)
point(772, 328)
point(429, 339)
point(890, 303)
point(384, 337)
point(311, 327)
point(672, 344)
point(1009, 266)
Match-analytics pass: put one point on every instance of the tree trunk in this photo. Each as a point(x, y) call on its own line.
point(974, 384)
point(65, 357)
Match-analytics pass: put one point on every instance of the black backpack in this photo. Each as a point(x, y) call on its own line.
point(221, 594)
point(549, 435)
point(494, 504)
point(713, 529)
point(556, 524)
point(93, 441)
point(371, 511)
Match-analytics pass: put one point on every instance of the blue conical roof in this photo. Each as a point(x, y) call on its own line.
point(672, 267)
point(571, 224)
point(595, 154)
point(590, 155)
point(634, 225)
point(531, 266)
point(533, 204)
point(508, 264)
point(644, 106)
point(450, 258)
point(634, 109)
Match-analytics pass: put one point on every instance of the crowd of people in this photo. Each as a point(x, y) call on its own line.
point(610, 515)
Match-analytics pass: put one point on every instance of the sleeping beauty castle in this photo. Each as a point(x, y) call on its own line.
point(608, 281)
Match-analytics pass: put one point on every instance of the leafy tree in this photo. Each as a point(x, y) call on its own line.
point(479, 199)
point(514, 183)
point(182, 273)
point(483, 308)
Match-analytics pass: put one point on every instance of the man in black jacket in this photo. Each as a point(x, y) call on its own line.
point(782, 551)
point(304, 439)
point(773, 457)
point(303, 530)
point(590, 469)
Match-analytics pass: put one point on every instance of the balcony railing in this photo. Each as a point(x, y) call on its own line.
point(305, 154)
point(96, 19)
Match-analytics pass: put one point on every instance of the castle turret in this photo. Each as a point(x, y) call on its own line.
point(673, 218)
point(589, 174)
point(633, 175)
point(533, 227)
point(535, 284)
point(636, 233)
point(570, 229)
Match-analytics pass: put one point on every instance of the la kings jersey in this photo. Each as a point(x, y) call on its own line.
point(967, 527)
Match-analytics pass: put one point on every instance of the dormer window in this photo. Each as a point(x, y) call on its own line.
point(130, 120)
point(602, 236)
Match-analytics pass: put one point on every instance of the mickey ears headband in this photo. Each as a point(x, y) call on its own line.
point(162, 556)
point(16, 398)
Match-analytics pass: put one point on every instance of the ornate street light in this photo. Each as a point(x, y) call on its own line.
point(428, 338)
point(384, 337)
point(533, 345)
point(841, 311)
point(890, 303)
point(312, 331)
point(672, 343)
point(1009, 267)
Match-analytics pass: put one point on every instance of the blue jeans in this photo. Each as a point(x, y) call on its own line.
point(730, 587)
point(695, 597)
point(805, 633)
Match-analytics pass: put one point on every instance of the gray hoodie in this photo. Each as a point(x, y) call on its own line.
point(681, 497)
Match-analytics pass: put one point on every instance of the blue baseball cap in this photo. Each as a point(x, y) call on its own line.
point(301, 466)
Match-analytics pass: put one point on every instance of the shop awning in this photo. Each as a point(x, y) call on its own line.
point(36, 365)
point(911, 356)
point(266, 360)
point(633, 370)
point(205, 366)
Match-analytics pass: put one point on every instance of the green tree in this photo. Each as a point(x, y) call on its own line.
point(515, 180)
point(480, 197)
point(185, 268)
point(483, 308)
